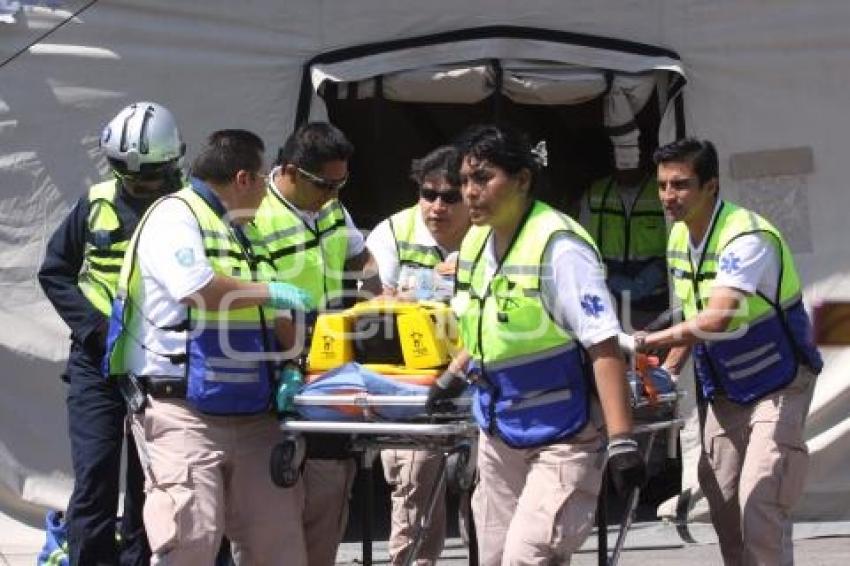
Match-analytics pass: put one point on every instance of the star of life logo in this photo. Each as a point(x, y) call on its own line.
point(592, 305)
point(730, 263)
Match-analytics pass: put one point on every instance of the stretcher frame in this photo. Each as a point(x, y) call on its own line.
point(448, 436)
point(448, 433)
point(672, 426)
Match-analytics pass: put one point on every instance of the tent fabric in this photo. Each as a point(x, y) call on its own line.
point(627, 96)
point(534, 70)
point(761, 76)
point(463, 83)
point(527, 84)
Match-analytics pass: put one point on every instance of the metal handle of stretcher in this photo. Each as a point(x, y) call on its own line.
point(395, 429)
point(371, 400)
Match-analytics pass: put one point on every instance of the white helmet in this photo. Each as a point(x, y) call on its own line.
point(143, 133)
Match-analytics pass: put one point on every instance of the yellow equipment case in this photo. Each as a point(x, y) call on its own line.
point(407, 341)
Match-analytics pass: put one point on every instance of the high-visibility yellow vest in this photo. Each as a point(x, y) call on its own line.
point(105, 246)
point(768, 336)
point(639, 236)
point(227, 361)
point(404, 225)
point(311, 258)
point(535, 385)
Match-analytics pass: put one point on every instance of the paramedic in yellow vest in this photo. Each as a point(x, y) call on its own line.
point(188, 324)
point(623, 215)
point(410, 249)
point(312, 241)
point(79, 275)
point(540, 334)
point(755, 360)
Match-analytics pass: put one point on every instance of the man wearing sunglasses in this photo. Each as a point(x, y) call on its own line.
point(79, 275)
point(313, 243)
point(411, 248)
point(422, 237)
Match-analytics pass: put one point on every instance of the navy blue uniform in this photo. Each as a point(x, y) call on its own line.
point(96, 410)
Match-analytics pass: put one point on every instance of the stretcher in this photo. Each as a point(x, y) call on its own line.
point(426, 341)
point(368, 372)
point(451, 433)
point(653, 398)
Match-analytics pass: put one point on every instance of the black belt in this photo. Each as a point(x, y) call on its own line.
point(164, 386)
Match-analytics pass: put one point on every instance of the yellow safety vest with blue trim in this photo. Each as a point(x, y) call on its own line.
point(534, 386)
point(768, 337)
point(404, 225)
point(637, 237)
point(227, 368)
point(106, 243)
point(310, 258)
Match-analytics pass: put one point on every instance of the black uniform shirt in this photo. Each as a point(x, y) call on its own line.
point(63, 260)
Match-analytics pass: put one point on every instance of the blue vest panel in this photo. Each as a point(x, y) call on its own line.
point(536, 400)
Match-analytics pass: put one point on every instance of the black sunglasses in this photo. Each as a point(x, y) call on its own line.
point(322, 183)
point(448, 197)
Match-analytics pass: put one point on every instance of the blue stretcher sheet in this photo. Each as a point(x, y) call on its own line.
point(352, 378)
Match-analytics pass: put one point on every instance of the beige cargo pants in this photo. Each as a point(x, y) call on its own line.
point(536, 505)
point(327, 489)
point(209, 476)
point(752, 470)
point(411, 475)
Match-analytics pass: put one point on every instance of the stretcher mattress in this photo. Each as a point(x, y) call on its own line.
point(354, 378)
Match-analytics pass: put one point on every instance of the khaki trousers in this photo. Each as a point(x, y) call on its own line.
point(327, 489)
point(752, 470)
point(536, 505)
point(411, 475)
point(209, 477)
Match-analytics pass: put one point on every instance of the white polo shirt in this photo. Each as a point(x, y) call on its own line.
point(748, 263)
point(575, 292)
point(406, 278)
point(173, 265)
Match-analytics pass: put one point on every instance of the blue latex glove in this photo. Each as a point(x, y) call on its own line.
point(288, 385)
point(285, 296)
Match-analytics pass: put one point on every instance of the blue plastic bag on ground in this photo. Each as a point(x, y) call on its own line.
point(353, 378)
point(55, 549)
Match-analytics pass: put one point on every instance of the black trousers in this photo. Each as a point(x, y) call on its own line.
point(96, 414)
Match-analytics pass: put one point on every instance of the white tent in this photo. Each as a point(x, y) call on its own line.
point(764, 80)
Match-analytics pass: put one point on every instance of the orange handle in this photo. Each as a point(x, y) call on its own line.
point(643, 363)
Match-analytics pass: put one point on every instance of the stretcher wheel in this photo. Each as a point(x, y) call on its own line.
point(286, 460)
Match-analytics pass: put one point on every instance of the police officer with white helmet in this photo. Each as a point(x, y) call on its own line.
point(79, 276)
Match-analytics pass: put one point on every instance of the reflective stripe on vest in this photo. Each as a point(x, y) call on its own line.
point(313, 259)
point(768, 336)
point(403, 225)
point(537, 388)
point(638, 237)
point(105, 246)
point(226, 365)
